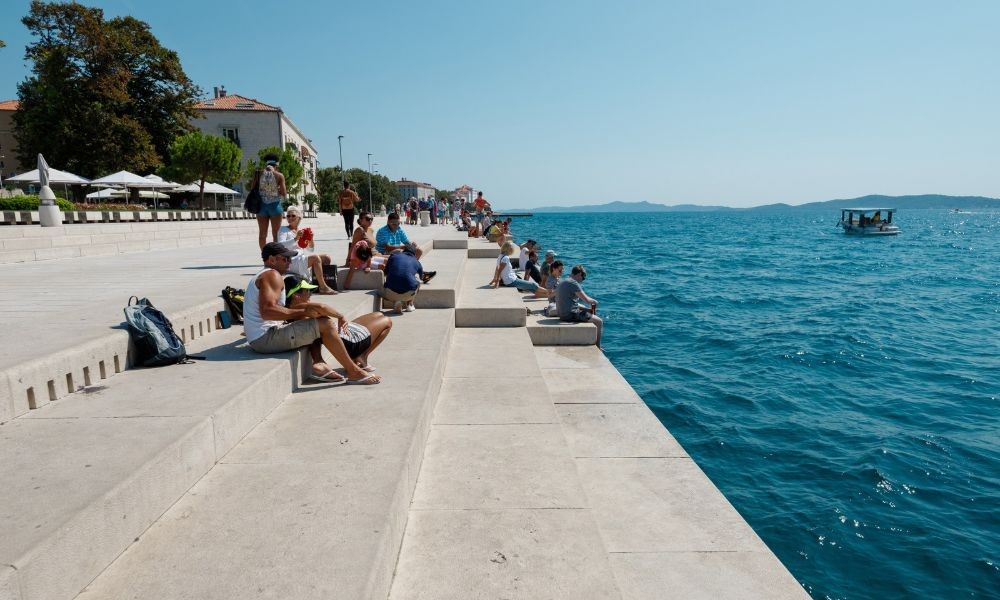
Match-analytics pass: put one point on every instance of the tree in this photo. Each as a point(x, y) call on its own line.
point(103, 95)
point(288, 165)
point(328, 184)
point(199, 157)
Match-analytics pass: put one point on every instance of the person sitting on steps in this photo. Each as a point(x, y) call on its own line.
point(265, 314)
point(305, 261)
point(360, 337)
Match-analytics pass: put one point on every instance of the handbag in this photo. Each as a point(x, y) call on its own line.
point(253, 201)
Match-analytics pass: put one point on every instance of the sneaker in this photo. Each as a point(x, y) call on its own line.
point(409, 308)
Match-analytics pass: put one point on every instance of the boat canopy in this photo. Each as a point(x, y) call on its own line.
point(864, 210)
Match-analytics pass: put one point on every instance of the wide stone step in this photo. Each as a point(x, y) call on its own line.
point(480, 305)
point(499, 511)
point(313, 502)
point(85, 476)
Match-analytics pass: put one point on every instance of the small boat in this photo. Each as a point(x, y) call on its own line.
point(868, 221)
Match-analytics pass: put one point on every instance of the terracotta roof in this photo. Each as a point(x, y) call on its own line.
point(9, 104)
point(235, 102)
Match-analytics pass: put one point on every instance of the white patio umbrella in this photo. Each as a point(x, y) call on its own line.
point(55, 176)
point(120, 193)
point(131, 180)
point(210, 188)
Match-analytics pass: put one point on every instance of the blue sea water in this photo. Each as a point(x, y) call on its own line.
point(842, 392)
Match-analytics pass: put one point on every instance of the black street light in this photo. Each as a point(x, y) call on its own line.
point(341, 148)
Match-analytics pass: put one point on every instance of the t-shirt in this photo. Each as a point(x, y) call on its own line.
point(522, 259)
point(551, 283)
point(507, 275)
point(566, 296)
point(401, 272)
point(393, 238)
point(347, 199)
point(480, 204)
point(286, 237)
point(531, 271)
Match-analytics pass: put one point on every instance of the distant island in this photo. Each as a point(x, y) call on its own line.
point(925, 201)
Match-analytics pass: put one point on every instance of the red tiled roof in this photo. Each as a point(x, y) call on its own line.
point(9, 104)
point(235, 102)
point(408, 182)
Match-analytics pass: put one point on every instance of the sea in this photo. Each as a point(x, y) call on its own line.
point(842, 392)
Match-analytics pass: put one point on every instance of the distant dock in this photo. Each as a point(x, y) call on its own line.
point(507, 214)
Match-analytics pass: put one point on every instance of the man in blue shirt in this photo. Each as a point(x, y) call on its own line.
point(403, 273)
point(392, 238)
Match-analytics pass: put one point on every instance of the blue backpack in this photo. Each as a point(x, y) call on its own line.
point(155, 341)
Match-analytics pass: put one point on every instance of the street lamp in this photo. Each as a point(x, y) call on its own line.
point(370, 205)
point(341, 148)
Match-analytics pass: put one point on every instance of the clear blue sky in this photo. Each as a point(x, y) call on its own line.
point(578, 102)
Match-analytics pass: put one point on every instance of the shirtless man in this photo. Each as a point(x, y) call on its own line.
point(348, 198)
point(265, 314)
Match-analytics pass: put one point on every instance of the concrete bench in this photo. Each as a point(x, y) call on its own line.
point(84, 479)
point(550, 331)
point(480, 305)
point(313, 502)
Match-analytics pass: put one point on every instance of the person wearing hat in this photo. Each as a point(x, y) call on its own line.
point(360, 337)
point(271, 184)
point(271, 326)
point(550, 255)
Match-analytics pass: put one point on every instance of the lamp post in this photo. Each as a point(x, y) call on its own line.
point(370, 182)
point(341, 148)
point(374, 172)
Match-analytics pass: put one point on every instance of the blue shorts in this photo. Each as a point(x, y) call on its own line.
point(271, 209)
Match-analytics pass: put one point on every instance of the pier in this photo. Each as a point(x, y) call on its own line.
point(502, 456)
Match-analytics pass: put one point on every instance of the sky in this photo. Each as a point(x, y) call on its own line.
point(539, 103)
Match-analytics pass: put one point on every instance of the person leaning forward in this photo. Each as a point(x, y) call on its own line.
point(265, 313)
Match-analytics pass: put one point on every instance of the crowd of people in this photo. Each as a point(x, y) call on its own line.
point(278, 312)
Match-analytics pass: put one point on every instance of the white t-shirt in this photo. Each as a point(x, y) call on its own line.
point(286, 237)
point(523, 258)
point(507, 275)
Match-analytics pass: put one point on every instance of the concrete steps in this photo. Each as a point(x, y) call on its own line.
point(85, 476)
point(480, 305)
point(499, 510)
point(313, 502)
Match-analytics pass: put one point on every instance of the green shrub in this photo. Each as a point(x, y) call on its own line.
point(104, 206)
point(21, 203)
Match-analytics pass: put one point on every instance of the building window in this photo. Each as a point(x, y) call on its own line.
point(232, 134)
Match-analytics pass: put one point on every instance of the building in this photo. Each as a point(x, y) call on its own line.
point(413, 189)
point(464, 193)
point(253, 125)
point(9, 165)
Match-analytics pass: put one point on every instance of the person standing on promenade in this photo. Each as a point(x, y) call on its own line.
point(348, 198)
point(480, 205)
point(271, 184)
point(392, 238)
point(568, 292)
point(265, 314)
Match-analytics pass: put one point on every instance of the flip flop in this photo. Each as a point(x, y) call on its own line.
point(331, 292)
point(370, 380)
point(326, 378)
point(367, 368)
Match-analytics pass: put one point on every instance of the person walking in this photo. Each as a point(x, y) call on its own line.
point(348, 198)
point(271, 184)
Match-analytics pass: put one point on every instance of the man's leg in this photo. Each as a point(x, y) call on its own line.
point(335, 345)
point(600, 328)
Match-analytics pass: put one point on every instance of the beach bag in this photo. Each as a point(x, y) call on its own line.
point(156, 342)
point(253, 201)
point(234, 302)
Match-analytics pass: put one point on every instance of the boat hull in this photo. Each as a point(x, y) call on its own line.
point(855, 230)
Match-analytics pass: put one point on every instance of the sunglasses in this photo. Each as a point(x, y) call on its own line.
point(290, 217)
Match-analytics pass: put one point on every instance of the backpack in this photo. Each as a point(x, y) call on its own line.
point(155, 341)
point(234, 302)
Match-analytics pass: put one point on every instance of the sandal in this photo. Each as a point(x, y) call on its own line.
point(370, 380)
point(332, 377)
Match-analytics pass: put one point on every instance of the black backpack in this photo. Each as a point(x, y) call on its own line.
point(155, 341)
point(234, 302)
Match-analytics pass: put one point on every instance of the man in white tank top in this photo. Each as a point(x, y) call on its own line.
point(265, 316)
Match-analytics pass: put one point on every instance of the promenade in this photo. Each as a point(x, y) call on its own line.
point(501, 457)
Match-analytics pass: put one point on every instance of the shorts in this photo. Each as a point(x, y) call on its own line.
point(271, 209)
point(356, 349)
point(579, 315)
point(300, 265)
point(394, 296)
point(287, 336)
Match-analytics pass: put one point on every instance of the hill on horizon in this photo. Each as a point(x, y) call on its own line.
point(922, 201)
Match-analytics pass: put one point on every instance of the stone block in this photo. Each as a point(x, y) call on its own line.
point(55, 253)
point(99, 250)
point(71, 240)
point(489, 401)
point(550, 331)
point(16, 256)
point(616, 430)
point(26, 243)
